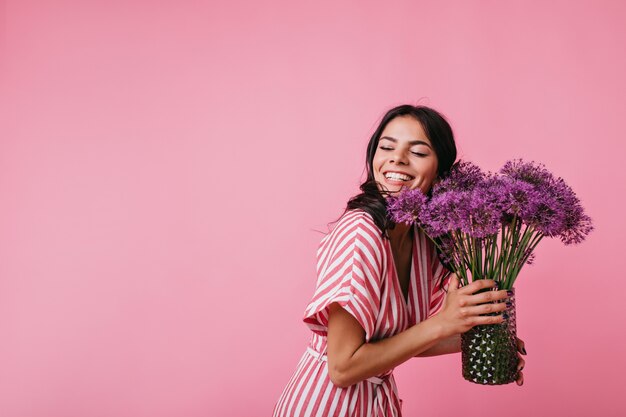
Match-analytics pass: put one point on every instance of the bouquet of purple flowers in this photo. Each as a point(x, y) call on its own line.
point(486, 226)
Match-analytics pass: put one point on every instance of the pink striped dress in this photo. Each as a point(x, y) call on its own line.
point(355, 268)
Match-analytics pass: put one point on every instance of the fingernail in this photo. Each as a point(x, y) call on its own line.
point(509, 293)
point(521, 369)
point(505, 316)
point(524, 350)
point(509, 304)
point(496, 286)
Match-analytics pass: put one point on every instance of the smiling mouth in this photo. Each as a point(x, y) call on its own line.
point(396, 176)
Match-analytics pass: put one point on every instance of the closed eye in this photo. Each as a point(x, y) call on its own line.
point(386, 148)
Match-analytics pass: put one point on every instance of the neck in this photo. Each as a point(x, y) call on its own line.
point(400, 233)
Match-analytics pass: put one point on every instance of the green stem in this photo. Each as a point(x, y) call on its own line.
point(528, 240)
point(531, 247)
point(493, 255)
point(487, 251)
point(459, 250)
point(478, 251)
point(498, 267)
point(506, 249)
point(514, 234)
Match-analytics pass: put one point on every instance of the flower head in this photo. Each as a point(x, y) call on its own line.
point(485, 208)
point(406, 207)
point(444, 213)
point(575, 224)
point(520, 199)
point(463, 176)
point(545, 202)
point(529, 172)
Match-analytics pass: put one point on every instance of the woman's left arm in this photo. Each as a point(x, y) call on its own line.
point(452, 344)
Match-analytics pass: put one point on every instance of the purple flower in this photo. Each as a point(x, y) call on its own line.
point(463, 176)
point(474, 207)
point(484, 212)
point(461, 201)
point(529, 172)
point(407, 206)
point(446, 212)
point(575, 224)
point(545, 202)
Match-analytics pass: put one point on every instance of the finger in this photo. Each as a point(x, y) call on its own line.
point(521, 363)
point(454, 282)
point(520, 379)
point(487, 297)
point(477, 310)
point(478, 320)
point(477, 285)
point(521, 346)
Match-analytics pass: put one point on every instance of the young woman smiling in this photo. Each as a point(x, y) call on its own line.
point(380, 297)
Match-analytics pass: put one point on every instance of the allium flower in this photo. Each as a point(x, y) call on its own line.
point(463, 176)
point(446, 212)
point(548, 216)
point(575, 224)
point(407, 206)
point(530, 172)
point(484, 212)
point(473, 207)
point(521, 199)
point(549, 204)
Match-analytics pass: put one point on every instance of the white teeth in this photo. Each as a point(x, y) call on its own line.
point(397, 176)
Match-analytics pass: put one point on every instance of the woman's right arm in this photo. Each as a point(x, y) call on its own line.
point(351, 359)
point(445, 346)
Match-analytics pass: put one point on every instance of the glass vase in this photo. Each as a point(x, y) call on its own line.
point(489, 352)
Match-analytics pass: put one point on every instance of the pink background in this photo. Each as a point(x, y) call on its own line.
point(164, 167)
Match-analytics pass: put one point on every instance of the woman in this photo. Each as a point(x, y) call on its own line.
point(380, 299)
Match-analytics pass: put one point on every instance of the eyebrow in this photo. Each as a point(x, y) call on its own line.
point(413, 142)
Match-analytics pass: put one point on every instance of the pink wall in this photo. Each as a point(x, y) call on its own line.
point(163, 166)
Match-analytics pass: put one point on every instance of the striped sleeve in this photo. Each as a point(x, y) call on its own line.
point(349, 272)
point(440, 280)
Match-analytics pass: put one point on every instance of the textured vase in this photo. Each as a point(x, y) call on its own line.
point(489, 352)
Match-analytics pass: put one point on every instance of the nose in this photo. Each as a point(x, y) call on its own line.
point(399, 156)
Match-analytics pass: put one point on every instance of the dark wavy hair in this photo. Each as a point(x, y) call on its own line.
point(439, 132)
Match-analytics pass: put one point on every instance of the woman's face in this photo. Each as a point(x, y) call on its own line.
point(404, 157)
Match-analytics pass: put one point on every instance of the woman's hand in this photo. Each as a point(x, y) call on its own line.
point(463, 309)
point(520, 351)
